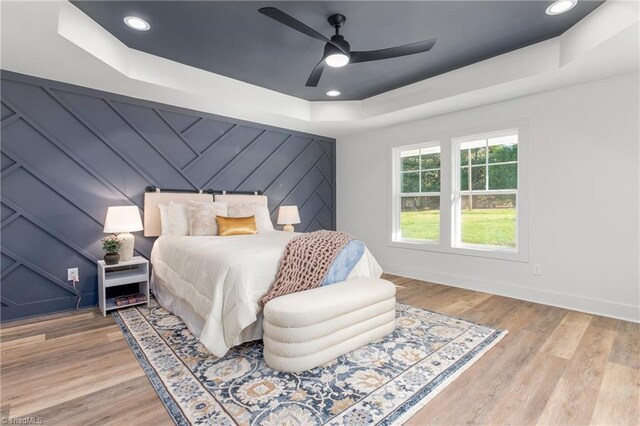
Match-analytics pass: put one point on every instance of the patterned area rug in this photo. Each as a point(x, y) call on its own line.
point(384, 382)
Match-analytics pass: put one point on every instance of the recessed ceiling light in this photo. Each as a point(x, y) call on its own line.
point(561, 6)
point(136, 23)
point(333, 93)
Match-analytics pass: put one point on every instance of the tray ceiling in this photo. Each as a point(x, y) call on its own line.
point(234, 40)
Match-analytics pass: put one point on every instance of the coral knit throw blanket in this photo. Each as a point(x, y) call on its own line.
point(305, 263)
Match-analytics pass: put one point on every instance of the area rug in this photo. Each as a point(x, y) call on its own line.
point(382, 383)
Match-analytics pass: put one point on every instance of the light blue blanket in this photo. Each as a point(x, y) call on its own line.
point(344, 262)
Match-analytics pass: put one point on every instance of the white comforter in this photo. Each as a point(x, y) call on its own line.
point(222, 278)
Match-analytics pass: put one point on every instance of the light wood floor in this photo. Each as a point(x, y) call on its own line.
point(554, 367)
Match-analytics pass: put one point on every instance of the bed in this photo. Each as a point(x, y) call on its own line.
point(213, 283)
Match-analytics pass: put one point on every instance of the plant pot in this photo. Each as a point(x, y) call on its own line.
point(111, 258)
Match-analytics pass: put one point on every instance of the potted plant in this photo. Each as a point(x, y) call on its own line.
point(111, 246)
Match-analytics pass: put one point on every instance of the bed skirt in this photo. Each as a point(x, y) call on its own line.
point(193, 321)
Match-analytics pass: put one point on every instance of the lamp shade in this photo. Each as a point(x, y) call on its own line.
point(122, 219)
point(288, 215)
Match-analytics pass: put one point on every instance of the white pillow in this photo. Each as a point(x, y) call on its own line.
point(202, 217)
point(263, 220)
point(178, 219)
point(165, 222)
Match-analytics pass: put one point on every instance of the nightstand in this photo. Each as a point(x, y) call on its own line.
point(134, 271)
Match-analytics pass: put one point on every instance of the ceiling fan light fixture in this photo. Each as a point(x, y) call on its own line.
point(136, 23)
point(337, 60)
point(561, 6)
point(333, 93)
point(337, 51)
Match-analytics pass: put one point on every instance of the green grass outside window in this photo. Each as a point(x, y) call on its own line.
point(494, 227)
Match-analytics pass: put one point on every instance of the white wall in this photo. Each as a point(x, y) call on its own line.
point(583, 211)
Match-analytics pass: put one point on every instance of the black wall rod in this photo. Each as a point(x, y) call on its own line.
point(151, 188)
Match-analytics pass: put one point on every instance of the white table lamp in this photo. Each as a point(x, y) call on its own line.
point(288, 216)
point(122, 220)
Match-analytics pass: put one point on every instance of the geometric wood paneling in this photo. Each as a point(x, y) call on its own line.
point(69, 152)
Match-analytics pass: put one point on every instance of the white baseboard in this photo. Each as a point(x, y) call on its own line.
point(560, 300)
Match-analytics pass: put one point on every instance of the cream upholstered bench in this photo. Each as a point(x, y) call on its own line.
point(306, 329)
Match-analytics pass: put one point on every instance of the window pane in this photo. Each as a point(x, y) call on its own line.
point(420, 218)
point(464, 179)
point(503, 176)
point(410, 163)
point(464, 157)
point(478, 155)
point(489, 220)
point(430, 161)
point(410, 182)
point(503, 153)
point(430, 181)
point(479, 178)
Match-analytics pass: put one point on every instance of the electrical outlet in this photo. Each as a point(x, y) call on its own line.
point(73, 274)
point(537, 269)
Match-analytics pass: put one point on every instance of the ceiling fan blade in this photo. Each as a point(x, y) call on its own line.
point(291, 22)
point(315, 75)
point(392, 52)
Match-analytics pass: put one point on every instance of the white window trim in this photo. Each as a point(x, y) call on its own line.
point(448, 154)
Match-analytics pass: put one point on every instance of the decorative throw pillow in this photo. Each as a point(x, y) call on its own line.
point(165, 222)
point(236, 225)
point(263, 220)
point(178, 219)
point(202, 217)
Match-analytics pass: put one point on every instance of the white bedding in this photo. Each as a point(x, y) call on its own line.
point(222, 278)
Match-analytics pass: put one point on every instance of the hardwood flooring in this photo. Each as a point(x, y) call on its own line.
point(554, 367)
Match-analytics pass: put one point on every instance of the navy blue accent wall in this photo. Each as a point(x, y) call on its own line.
point(69, 152)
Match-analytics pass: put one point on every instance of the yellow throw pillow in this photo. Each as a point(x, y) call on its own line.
point(236, 225)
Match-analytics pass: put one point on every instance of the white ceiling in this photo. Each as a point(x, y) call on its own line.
point(55, 40)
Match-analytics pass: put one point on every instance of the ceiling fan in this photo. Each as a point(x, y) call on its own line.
point(337, 51)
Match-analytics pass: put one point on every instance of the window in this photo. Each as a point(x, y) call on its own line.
point(463, 196)
point(487, 190)
point(419, 195)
